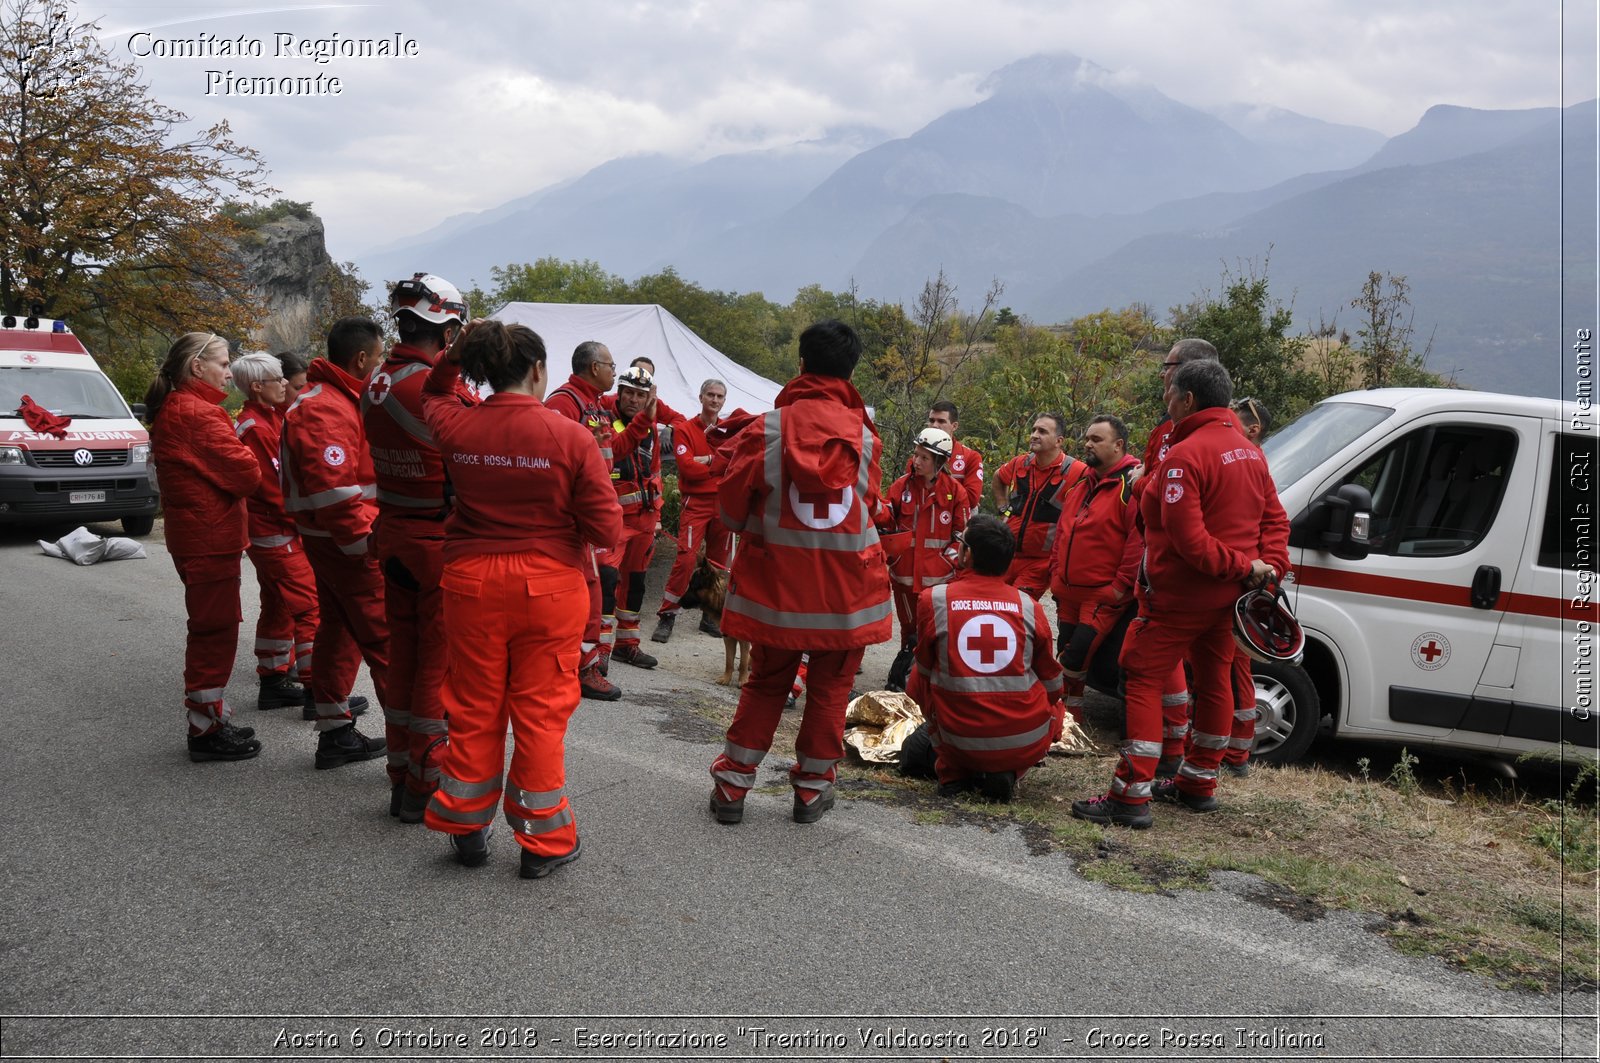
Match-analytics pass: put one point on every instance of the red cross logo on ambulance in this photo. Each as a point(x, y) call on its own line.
point(378, 388)
point(1430, 651)
point(986, 643)
point(822, 509)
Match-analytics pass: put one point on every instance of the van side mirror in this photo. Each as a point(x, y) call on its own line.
point(138, 409)
point(1348, 533)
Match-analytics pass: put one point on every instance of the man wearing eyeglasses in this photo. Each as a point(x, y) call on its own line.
point(594, 371)
point(1175, 692)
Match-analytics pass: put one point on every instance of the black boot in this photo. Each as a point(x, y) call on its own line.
point(221, 745)
point(346, 745)
point(663, 630)
point(278, 691)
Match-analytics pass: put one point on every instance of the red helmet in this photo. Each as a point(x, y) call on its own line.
point(1265, 627)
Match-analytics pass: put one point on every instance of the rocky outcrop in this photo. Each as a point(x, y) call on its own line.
point(286, 258)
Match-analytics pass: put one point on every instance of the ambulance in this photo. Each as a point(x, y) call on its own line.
point(100, 469)
point(1444, 566)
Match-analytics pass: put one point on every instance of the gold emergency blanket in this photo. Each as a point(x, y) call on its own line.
point(1075, 741)
point(878, 722)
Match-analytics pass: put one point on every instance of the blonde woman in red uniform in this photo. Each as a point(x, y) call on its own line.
point(532, 494)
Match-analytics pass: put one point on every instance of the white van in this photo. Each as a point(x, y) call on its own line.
point(100, 470)
point(1443, 551)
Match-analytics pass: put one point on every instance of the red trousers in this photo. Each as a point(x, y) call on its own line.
point(905, 610)
point(513, 625)
point(414, 720)
point(820, 743)
point(211, 596)
point(1175, 730)
point(1155, 645)
point(1245, 712)
point(1084, 616)
point(590, 646)
point(287, 626)
point(628, 562)
point(699, 524)
point(351, 628)
point(1031, 574)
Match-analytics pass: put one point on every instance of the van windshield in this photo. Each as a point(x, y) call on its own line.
point(1316, 435)
point(66, 392)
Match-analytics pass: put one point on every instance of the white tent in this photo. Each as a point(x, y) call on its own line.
point(683, 360)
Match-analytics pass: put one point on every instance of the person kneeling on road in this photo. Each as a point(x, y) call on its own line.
point(986, 676)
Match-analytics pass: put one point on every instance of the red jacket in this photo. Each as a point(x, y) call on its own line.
point(802, 488)
point(525, 477)
point(688, 443)
point(205, 472)
point(965, 467)
point(1096, 543)
point(328, 482)
point(260, 429)
point(409, 475)
point(578, 400)
point(1212, 511)
point(1036, 496)
point(920, 521)
point(635, 464)
point(986, 672)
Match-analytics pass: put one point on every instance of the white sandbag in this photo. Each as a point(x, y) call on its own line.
point(83, 547)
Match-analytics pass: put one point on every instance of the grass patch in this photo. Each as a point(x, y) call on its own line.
point(1499, 883)
point(1493, 879)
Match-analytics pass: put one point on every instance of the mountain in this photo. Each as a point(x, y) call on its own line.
point(1479, 238)
point(625, 214)
point(1447, 132)
point(1301, 144)
point(1053, 131)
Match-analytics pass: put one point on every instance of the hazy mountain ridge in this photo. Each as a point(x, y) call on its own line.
point(1082, 188)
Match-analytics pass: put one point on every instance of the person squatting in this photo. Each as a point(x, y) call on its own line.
point(486, 558)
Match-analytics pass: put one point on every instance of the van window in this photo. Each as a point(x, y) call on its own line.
point(1435, 491)
point(1569, 508)
point(68, 392)
point(1317, 435)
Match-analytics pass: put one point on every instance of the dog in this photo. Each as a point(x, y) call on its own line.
point(708, 589)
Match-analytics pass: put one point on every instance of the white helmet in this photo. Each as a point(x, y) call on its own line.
point(936, 441)
point(431, 298)
point(636, 377)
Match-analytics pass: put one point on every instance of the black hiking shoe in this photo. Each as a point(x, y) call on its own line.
point(472, 849)
point(278, 691)
point(1167, 790)
point(346, 745)
point(663, 630)
point(998, 786)
point(535, 866)
point(632, 654)
point(219, 745)
point(238, 734)
point(1240, 770)
point(810, 813)
point(708, 626)
point(1109, 810)
point(726, 811)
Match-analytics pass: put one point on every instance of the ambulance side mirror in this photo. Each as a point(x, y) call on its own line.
point(139, 411)
point(1349, 529)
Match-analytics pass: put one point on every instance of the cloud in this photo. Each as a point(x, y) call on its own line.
point(505, 98)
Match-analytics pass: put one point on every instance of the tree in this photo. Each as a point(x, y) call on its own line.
point(1384, 335)
point(107, 210)
point(1250, 330)
point(925, 355)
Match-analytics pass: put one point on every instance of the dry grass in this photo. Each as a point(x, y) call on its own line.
point(1501, 883)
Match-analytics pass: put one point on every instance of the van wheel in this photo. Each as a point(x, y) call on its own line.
point(1290, 711)
point(138, 527)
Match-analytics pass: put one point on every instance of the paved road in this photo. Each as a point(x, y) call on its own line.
point(141, 886)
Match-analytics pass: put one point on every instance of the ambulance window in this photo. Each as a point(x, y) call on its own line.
point(1435, 491)
point(1569, 509)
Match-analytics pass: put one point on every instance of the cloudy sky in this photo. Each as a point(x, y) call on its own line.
point(503, 98)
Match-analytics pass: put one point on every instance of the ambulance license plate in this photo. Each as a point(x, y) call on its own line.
point(86, 496)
